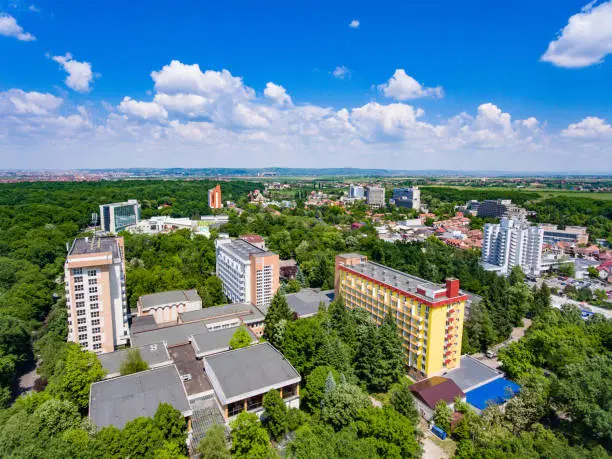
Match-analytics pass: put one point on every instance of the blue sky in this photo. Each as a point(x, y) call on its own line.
point(429, 84)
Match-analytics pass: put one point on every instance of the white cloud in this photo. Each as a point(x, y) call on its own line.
point(277, 94)
point(341, 72)
point(590, 127)
point(10, 28)
point(585, 40)
point(143, 110)
point(402, 86)
point(212, 118)
point(34, 9)
point(18, 102)
point(354, 24)
point(80, 75)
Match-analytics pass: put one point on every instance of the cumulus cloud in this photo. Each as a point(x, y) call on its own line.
point(277, 94)
point(80, 75)
point(402, 86)
point(585, 40)
point(18, 102)
point(211, 117)
point(354, 24)
point(143, 110)
point(590, 127)
point(341, 72)
point(10, 28)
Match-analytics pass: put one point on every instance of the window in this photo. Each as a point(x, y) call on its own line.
point(83, 337)
point(81, 321)
point(92, 281)
point(235, 408)
point(93, 306)
point(79, 296)
point(93, 290)
point(97, 346)
point(78, 279)
point(93, 298)
point(82, 329)
point(92, 272)
point(289, 391)
point(85, 344)
point(80, 304)
point(81, 312)
point(97, 338)
point(95, 314)
point(77, 271)
point(78, 288)
point(96, 330)
point(255, 402)
point(95, 322)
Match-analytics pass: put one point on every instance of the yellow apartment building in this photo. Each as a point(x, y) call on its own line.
point(429, 316)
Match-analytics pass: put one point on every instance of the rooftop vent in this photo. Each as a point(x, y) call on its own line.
point(186, 377)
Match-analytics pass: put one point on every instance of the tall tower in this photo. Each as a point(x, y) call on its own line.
point(214, 198)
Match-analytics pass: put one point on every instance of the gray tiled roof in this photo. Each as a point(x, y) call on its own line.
point(307, 301)
point(472, 373)
point(120, 400)
point(249, 371)
point(246, 311)
point(154, 354)
point(174, 296)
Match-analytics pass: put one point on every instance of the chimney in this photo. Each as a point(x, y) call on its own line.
point(452, 288)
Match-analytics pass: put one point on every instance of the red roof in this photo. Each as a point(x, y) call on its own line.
point(252, 238)
point(432, 390)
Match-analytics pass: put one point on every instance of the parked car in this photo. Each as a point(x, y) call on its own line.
point(490, 354)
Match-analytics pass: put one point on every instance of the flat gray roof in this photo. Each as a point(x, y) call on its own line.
point(120, 400)
point(243, 249)
point(306, 302)
point(174, 296)
point(246, 311)
point(249, 371)
point(472, 373)
point(393, 277)
point(173, 335)
point(216, 341)
point(143, 323)
point(87, 245)
point(154, 354)
point(186, 363)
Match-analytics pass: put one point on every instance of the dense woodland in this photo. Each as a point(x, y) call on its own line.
point(563, 362)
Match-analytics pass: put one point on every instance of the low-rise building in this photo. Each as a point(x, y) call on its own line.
point(119, 215)
point(288, 269)
point(570, 234)
point(240, 378)
point(429, 392)
point(166, 306)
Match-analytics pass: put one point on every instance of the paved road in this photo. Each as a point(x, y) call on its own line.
point(431, 450)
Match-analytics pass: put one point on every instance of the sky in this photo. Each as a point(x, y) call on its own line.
point(430, 84)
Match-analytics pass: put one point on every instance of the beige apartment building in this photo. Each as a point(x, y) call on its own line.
point(95, 293)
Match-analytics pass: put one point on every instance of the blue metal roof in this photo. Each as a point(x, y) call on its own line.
point(496, 392)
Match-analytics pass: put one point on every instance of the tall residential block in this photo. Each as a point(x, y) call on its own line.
point(119, 215)
point(214, 198)
point(429, 316)
point(249, 273)
point(409, 198)
point(512, 242)
point(356, 191)
point(95, 293)
point(375, 196)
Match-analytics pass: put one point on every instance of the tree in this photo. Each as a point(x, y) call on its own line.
point(141, 438)
point(133, 363)
point(277, 316)
point(171, 424)
point(214, 445)
point(315, 389)
point(169, 450)
point(443, 416)
point(74, 376)
point(249, 438)
point(341, 405)
point(330, 383)
point(403, 402)
point(516, 277)
point(214, 291)
point(57, 416)
point(593, 272)
point(241, 338)
point(275, 414)
point(293, 286)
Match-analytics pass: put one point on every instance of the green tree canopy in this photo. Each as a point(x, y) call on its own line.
point(133, 362)
point(241, 338)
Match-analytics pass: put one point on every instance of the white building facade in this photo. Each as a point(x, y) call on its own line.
point(512, 242)
point(119, 215)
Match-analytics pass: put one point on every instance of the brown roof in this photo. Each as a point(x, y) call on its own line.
point(435, 389)
point(252, 238)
